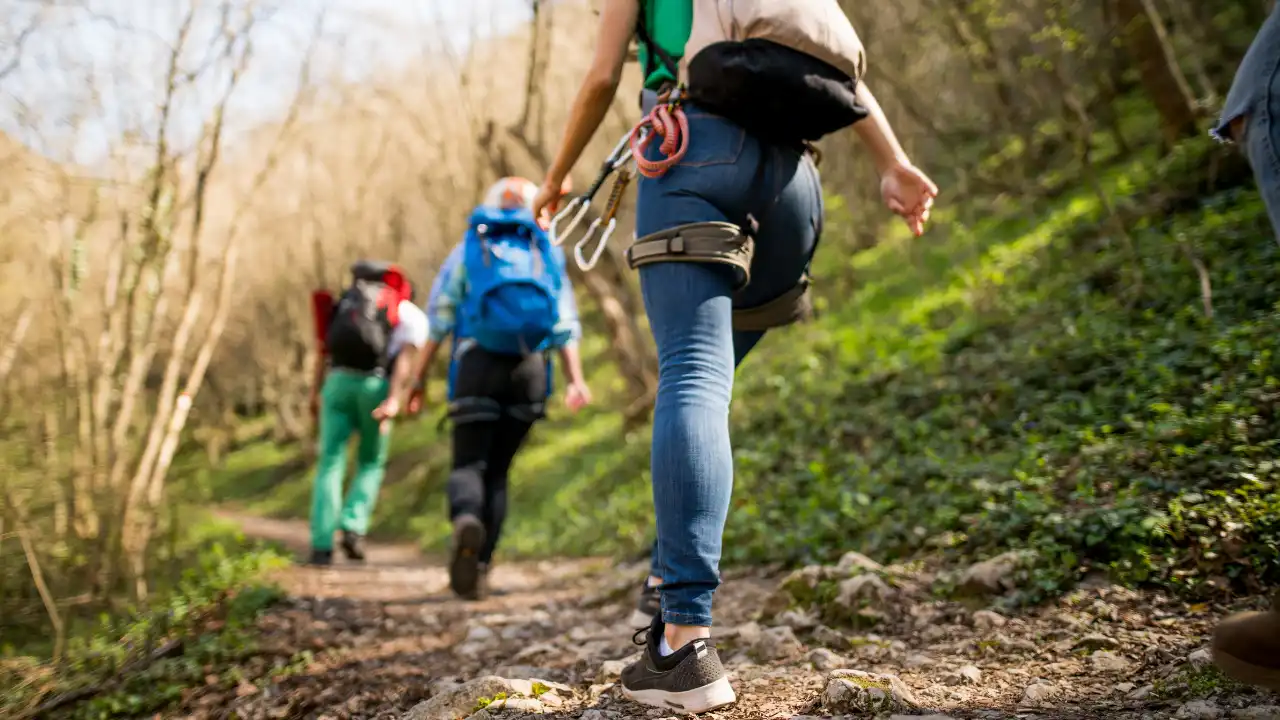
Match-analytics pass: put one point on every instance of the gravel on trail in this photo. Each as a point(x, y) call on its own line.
point(387, 640)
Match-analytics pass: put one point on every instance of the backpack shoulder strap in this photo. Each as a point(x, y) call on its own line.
point(370, 269)
point(655, 50)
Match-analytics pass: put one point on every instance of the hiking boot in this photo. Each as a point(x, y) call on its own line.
point(690, 680)
point(464, 568)
point(648, 606)
point(1246, 646)
point(353, 545)
point(321, 557)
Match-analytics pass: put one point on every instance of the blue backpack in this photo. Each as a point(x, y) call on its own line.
point(514, 279)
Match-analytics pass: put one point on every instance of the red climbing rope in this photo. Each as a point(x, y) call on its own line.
point(667, 121)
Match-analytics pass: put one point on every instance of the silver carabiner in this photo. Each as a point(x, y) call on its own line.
point(582, 204)
point(583, 263)
point(579, 206)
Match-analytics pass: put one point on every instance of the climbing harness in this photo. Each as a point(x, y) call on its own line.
point(667, 120)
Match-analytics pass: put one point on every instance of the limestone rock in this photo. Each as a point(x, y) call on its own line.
point(860, 589)
point(1096, 641)
point(828, 637)
point(994, 576)
point(984, 620)
point(1200, 658)
point(776, 643)
point(796, 620)
point(459, 700)
point(917, 660)
point(1037, 693)
point(970, 674)
point(1199, 710)
point(1106, 661)
point(1257, 712)
point(855, 562)
point(610, 671)
point(802, 585)
point(855, 691)
point(1141, 693)
point(479, 633)
point(825, 660)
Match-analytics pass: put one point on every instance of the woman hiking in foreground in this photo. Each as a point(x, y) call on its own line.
point(726, 230)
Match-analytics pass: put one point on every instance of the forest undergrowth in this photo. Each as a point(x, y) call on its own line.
point(1096, 382)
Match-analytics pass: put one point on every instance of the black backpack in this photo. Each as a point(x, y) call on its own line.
point(365, 315)
point(786, 71)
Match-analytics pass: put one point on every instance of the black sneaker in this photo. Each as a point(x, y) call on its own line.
point(321, 557)
point(464, 569)
point(647, 606)
point(353, 545)
point(690, 680)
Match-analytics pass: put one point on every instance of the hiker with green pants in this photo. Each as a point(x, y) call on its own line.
point(369, 343)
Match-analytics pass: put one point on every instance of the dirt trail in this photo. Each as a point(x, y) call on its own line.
point(387, 640)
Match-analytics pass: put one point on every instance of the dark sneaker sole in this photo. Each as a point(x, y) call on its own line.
point(464, 570)
point(1247, 672)
point(699, 700)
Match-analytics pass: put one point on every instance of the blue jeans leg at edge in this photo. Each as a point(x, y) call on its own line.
point(725, 176)
point(1254, 98)
point(1260, 138)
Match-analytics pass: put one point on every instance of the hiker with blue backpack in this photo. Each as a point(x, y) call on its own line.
point(728, 214)
point(505, 297)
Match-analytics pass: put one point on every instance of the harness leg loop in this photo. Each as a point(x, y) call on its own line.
point(706, 242)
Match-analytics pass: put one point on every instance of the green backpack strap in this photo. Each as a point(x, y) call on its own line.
point(655, 50)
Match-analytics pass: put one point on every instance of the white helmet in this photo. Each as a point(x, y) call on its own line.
point(510, 193)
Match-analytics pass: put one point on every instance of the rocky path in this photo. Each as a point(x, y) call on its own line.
point(386, 640)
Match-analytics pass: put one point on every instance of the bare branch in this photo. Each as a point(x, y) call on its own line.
point(18, 43)
point(37, 575)
point(9, 353)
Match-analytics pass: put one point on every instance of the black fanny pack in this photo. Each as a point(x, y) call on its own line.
point(774, 92)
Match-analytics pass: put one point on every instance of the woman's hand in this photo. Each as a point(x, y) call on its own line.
point(908, 192)
point(544, 203)
point(547, 201)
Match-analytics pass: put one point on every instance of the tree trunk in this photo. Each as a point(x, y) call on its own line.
point(1158, 65)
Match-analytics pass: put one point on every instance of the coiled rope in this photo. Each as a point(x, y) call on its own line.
point(667, 121)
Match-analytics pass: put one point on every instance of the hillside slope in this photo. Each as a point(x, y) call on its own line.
point(1028, 375)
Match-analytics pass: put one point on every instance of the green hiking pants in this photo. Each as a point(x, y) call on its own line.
point(347, 402)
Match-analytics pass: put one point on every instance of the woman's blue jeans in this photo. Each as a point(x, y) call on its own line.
point(1254, 99)
point(726, 176)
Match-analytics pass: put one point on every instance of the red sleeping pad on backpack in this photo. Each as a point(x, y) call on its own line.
point(321, 313)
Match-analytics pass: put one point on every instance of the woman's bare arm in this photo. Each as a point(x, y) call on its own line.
point(617, 26)
point(876, 133)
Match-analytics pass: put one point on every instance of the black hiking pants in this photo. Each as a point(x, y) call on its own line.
point(497, 399)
